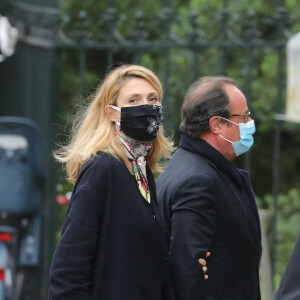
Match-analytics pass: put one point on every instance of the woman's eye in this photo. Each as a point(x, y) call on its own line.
point(133, 100)
point(153, 99)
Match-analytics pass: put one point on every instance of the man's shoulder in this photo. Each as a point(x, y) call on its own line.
point(189, 160)
point(185, 166)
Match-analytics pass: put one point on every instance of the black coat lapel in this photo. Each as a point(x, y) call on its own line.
point(250, 216)
point(253, 209)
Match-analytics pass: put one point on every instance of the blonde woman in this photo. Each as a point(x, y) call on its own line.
point(111, 246)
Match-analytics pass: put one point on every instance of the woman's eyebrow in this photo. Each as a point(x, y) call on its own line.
point(132, 95)
point(137, 94)
point(153, 94)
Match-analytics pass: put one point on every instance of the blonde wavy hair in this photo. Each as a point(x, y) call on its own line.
point(93, 131)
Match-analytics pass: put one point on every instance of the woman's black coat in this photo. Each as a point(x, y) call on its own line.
point(111, 246)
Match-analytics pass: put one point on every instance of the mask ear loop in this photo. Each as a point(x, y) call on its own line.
point(222, 135)
point(118, 109)
point(225, 139)
point(115, 107)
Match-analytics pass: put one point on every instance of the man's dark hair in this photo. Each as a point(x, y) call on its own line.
point(205, 98)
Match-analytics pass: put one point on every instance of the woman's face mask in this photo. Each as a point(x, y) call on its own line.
point(140, 122)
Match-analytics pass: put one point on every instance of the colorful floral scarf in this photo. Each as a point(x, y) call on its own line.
point(136, 152)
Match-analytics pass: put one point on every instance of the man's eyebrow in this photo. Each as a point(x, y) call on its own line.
point(247, 111)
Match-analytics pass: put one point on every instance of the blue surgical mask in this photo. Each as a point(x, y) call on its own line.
point(246, 141)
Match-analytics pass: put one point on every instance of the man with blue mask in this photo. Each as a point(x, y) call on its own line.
point(246, 139)
point(206, 203)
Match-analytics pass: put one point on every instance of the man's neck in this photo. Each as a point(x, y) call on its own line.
point(215, 142)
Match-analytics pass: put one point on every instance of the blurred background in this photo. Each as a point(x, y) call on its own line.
point(54, 54)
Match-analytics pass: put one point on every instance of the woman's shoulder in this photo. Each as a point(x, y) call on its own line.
point(101, 163)
point(95, 173)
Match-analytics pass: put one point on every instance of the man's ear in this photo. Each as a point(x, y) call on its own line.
point(112, 114)
point(215, 125)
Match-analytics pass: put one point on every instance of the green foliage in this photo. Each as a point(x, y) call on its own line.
point(62, 188)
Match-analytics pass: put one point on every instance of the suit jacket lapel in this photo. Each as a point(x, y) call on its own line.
point(254, 210)
point(239, 197)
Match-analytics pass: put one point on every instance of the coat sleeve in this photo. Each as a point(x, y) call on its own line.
point(72, 264)
point(194, 219)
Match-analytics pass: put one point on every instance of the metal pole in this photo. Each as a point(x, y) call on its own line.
point(249, 77)
point(82, 71)
point(81, 35)
point(166, 55)
point(195, 64)
point(277, 136)
point(110, 59)
point(266, 269)
point(224, 28)
point(194, 39)
point(110, 17)
point(166, 87)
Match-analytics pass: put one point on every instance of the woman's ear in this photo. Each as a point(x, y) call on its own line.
point(112, 114)
point(215, 125)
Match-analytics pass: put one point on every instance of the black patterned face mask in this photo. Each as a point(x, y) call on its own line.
point(140, 122)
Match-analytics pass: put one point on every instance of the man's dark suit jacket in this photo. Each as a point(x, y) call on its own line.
point(207, 204)
point(289, 288)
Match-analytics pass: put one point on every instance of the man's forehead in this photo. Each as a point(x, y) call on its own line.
point(237, 99)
